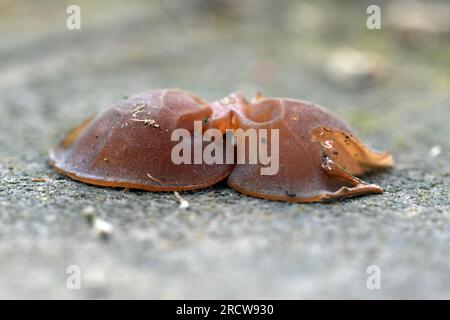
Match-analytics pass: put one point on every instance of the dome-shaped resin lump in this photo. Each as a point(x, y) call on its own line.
point(130, 145)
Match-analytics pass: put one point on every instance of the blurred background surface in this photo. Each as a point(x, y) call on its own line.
point(391, 85)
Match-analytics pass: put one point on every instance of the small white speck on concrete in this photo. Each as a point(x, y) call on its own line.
point(89, 214)
point(435, 151)
point(102, 228)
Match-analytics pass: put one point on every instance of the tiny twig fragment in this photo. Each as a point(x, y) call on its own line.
point(147, 122)
point(138, 109)
point(184, 204)
point(153, 178)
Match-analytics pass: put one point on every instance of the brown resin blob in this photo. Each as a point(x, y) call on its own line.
point(130, 146)
point(318, 155)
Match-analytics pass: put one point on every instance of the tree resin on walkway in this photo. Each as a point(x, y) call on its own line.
point(299, 152)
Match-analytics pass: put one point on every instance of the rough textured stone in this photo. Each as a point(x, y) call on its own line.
point(225, 245)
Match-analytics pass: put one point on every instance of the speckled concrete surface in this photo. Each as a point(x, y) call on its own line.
point(225, 245)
